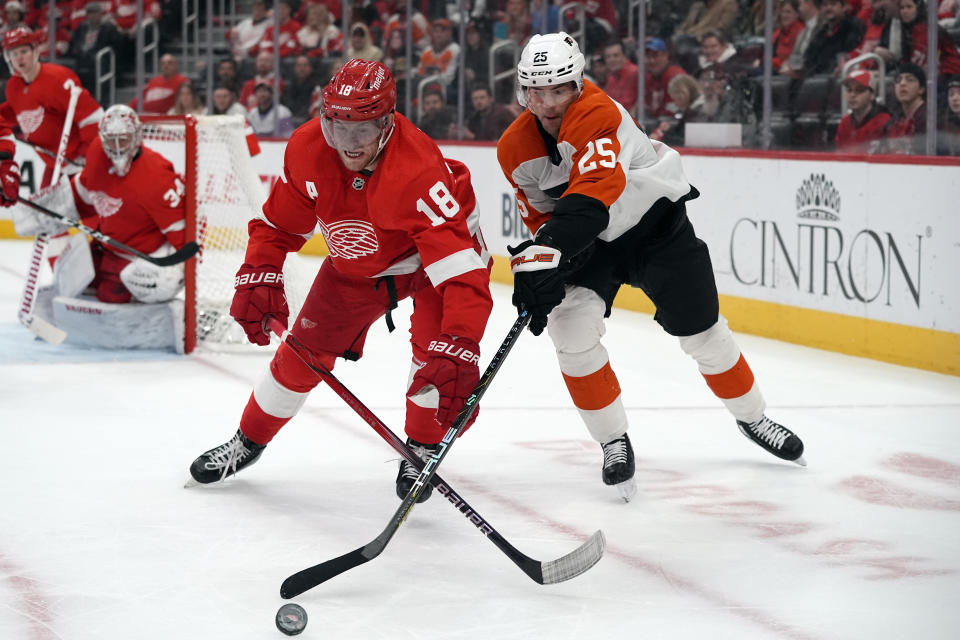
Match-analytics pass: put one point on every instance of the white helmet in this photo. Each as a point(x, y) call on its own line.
point(121, 134)
point(549, 60)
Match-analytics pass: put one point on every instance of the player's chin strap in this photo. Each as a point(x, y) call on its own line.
point(553, 571)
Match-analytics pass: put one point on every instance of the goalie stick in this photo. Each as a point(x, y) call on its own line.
point(37, 325)
point(551, 572)
point(182, 254)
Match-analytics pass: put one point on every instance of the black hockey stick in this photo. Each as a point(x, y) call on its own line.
point(182, 254)
point(48, 153)
point(550, 572)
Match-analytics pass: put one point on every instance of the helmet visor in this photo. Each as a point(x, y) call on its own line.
point(351, 136)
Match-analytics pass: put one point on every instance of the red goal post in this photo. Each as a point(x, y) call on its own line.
point(223, 192)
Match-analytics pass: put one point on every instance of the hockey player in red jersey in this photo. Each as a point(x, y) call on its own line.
point(399, 222)
point(133, 195)
point(37, 102)
point(606, 207)
point(37, 96)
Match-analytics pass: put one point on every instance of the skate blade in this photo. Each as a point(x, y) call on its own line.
point(190, 483)
point(800, 461)
point(627, 489)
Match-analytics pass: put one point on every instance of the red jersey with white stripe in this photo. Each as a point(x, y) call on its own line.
point(415, 210)
point(143, 209)
point(601, 153)
point(40, 108)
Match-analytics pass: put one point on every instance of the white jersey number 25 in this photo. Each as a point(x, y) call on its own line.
point(605, 156)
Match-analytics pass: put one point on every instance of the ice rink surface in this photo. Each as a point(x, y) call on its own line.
point(99, 539)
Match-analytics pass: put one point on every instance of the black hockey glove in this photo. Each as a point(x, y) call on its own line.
point(537, 283)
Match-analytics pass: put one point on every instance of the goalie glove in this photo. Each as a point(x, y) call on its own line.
point(537, 282)
point(259, 294)
point(9, 182)
point(453, 370)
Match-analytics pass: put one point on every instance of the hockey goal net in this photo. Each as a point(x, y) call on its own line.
point(223, 192)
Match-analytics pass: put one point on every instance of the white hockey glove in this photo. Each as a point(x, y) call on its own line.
point(150, 283)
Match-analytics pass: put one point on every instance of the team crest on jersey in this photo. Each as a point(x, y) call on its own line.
point(350, 239)
point(104, 204)
point(358, 183)
point(30, 120)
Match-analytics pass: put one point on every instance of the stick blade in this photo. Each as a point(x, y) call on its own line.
point(318, 574)
point(578, 561)
point(182, 254)
point(46, 330)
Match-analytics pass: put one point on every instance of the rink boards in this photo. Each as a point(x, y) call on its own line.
point(856, 255)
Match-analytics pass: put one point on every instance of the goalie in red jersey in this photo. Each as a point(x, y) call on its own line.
point(399, 222)
point(131, 194)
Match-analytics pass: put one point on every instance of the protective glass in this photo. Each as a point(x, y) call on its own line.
point(351, 136)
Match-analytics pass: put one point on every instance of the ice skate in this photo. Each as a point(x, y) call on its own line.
point(618, 467)
point(775, 438)
point(408, 473)
point(220, 462)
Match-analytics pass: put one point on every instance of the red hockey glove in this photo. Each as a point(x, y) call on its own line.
point(259, 294)
point(452, 368)
point(9, 182)
point(537, 283)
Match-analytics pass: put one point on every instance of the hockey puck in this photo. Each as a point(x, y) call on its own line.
point(291, 619)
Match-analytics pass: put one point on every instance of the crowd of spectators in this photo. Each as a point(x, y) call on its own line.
point(703, 62)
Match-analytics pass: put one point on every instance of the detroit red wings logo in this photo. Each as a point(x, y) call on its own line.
point(30, 120)
point(104, 204)
point(350, 239)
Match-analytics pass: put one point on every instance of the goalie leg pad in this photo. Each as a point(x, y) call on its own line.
point(576, 327)
point(74, 270)
point(150, 283)
point(91, 323)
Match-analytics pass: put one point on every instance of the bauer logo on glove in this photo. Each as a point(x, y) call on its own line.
point(256, 278)
point(452, 350)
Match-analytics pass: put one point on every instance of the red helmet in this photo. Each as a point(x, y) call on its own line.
point(18, 37)
point(361, 90)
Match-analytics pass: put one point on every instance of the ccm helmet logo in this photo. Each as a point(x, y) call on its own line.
point(540, 73)
point(537, 257)
point(271, 277)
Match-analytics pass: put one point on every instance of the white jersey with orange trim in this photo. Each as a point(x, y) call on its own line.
point(601, 153)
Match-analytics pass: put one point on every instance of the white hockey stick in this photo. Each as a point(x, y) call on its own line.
point(38, 326)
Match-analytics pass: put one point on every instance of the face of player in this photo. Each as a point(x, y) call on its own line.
point(858, 96)
point(119, 148)
point(24, 60)
point(908, 11)
point(550, 103)
point(907, 88)
point(953, 99)
point(357, 143)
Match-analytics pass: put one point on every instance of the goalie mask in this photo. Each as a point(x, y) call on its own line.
point(357, 106)
point(121, 134)
point(549, 60)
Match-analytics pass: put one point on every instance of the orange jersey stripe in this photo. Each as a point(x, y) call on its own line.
point(732, 383)
point(594, 391)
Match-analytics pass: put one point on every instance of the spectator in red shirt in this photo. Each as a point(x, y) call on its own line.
point(287, 40)
point(906, 131)
point(264, 71)
point(161, 91)
point(659, 73)
point(786, 34)
point(861, 129)
point(621, 84)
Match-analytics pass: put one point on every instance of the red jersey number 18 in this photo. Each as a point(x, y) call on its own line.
point(444, 201)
